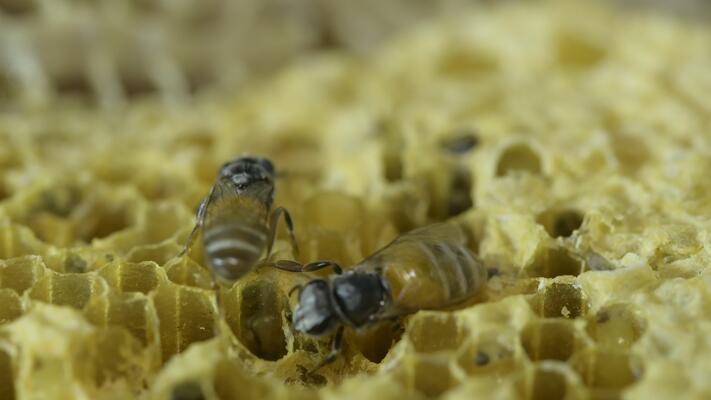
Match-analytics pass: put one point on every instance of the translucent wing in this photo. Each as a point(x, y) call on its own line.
point(440, 232)
point(225, 199)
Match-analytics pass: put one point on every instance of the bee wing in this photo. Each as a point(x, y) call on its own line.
point(219, 192)
point(426, 268)
point(440, 232)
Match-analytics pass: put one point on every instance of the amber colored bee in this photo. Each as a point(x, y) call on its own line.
point(237, 220)
point(429, 268)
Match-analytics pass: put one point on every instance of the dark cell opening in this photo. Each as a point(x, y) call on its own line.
point(566, 223)
point(562, 300)
point(7, 381)
point(460, 196)
point(560, 223)
point(518, 157)
point(260, 326)
point(75, 86)
point(555, 261)
point(460, 143)
point(187, 391)
point(552, 339)
point(548, 385)
point(17, 8)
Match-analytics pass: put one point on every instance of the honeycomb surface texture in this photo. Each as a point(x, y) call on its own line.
point(573, 141)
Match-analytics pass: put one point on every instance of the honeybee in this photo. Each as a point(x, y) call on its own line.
point(237, 220)
point(428, 268)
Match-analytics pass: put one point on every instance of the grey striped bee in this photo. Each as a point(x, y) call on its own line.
point(237, 220)
point(428, 268)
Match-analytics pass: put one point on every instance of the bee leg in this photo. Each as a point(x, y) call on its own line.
point(218, 305)
point(336, 348)
point(315, 266)
point(293, 266)
point(200, 219)
point(286, 265)
point(273, 221)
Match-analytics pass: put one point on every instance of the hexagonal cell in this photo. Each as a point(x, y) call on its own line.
point(159, 253)
point(560, 223)
point(133, 311)
point(11, 306)
point(74, 263)
point(17, 241)
point(550, 339)
point(52, 229)
point(7, 380)
point(74, 290)
point(559, 299)
point(161, 221)
point(59, 200)
point(255, 315)
point(518, 157)
point(552, 261)
point(48, 213)
point(375, 341)
point(605, 372)
point(20, 274)
point(187, 272)
point(109, 355)
point(432, 375)
point(615, 327)
point(186, 315)
point(320, 244)
point(432, 333)
point(76, 260)
point(543, 383)
point(104, 213)
point(130, 277)
point(334, 211)
point(492, 352)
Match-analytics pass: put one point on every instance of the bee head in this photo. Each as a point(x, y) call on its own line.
point(314, 315)
point(245, 171)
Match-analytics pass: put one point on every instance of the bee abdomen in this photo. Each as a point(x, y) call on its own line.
point(460, 272)
point(233, 249)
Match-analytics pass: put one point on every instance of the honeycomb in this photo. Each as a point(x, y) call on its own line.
point(574, 150)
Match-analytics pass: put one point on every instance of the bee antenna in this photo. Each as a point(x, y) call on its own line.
point(291, 174)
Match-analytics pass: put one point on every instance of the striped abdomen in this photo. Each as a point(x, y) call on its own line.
point(234, 243)
point(432, 274)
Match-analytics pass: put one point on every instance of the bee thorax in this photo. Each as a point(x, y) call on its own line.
point(359, 297)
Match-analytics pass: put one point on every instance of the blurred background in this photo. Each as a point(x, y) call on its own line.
point(106, 53)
